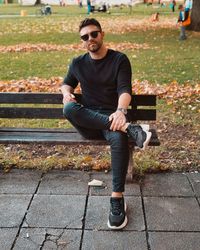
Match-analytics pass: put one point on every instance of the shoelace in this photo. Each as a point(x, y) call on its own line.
point(135, 135)
point(135, 132)
point(116, 207)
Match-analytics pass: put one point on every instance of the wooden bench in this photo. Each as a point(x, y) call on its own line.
point(142, 108)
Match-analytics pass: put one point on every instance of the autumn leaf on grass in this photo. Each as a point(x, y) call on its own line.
point(26, 47)
point(172, 92)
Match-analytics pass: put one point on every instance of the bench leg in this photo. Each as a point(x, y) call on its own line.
point(129, 177)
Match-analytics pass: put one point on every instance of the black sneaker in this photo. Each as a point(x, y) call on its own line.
point(139, 135)
point(117, 217)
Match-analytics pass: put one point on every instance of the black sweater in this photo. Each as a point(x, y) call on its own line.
point(102, 81)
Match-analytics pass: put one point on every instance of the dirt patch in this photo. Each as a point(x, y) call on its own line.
point(180, 147)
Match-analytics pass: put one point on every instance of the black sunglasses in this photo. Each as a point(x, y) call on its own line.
point(93, 34)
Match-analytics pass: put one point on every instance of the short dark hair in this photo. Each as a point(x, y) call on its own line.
point(180, 7)
point(89, 21)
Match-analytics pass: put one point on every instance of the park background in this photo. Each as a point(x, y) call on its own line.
point(35, 52)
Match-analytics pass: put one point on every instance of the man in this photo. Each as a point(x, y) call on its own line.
point(181, 21)
point(48, 10)
point(188, 5)
point(105, 79)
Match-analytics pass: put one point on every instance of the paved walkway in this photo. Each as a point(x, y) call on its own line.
point(57, 210)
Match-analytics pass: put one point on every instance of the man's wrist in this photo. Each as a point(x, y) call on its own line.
point(123, 110)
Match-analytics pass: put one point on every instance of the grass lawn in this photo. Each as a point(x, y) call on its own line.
point(159, 59)
point(166, 58)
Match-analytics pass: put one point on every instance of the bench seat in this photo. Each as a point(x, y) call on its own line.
point(55, 136)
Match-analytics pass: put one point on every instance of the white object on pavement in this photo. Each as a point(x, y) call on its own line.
point(95, 183)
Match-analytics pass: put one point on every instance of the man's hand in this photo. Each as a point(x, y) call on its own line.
point(118, 120)
point(68, 97)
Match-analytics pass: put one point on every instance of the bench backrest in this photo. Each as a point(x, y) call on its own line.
point(142, 107)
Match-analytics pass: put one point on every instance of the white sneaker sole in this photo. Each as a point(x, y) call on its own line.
point(146, 142)
point(144, 127)
point(122, 225)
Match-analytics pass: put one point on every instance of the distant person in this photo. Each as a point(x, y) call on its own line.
point(181, 20)
point(150, 2)
point(130, 5)
point(188, 5)
point(155, 17)
point(102, 8)
point(80, 3)
point(162, 4)
point(88, 7)
point(47, 9)
point(62, 3)
point(172, 5)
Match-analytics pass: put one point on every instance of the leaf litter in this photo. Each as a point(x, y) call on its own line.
point(26, 47)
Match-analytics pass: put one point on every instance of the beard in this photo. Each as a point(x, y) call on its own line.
point(94, 46)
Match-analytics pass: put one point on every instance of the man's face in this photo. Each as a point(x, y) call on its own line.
point(92, 38)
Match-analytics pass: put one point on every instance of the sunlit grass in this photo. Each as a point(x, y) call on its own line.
point(167, 59)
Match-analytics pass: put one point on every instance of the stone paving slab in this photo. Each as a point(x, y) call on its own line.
point(130, 188)
point(165, 184)
point(64, 182)
point(7, 237)
point(56, 211)
point(195, 181)
point(174, 241)
point(120, 240)
point(19, 181)
point(172, 214)
point(98, 211)
point(49, 239)
point(12, 209)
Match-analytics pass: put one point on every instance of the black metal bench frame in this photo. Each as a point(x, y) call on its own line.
point(142, 108)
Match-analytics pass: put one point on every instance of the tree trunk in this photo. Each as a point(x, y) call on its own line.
point(195, 17)
point(38, 2)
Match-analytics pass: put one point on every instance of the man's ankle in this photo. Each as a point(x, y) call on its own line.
point(117, 194)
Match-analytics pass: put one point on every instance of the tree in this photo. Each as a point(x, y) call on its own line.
point(38, 2)
point(195, 17)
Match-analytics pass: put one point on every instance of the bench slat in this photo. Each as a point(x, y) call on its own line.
point(56, 98)
point(31, 113)
point(43, 137)
point(57, 113)
point(40, 130)
point(142, 115)
point(143, 100)
point(42, 98)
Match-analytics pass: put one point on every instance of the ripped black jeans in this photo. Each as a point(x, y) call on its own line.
point(95, 124)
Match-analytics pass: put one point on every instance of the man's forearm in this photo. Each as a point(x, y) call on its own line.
point(66, 89)
point(67, 92)
point(124, 100)
point(118, 118)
